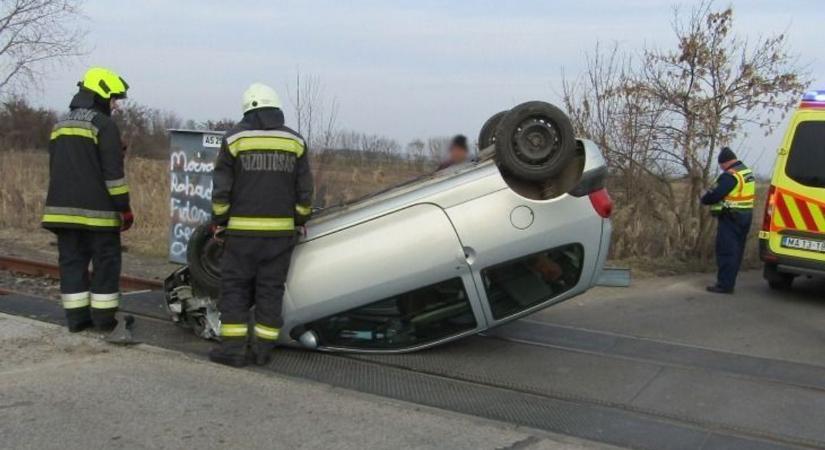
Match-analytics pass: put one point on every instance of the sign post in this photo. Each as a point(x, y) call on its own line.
point(191, 162)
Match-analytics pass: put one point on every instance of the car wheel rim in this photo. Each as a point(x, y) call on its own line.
point(537, 140)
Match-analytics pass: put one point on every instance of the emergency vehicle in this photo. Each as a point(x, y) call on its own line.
point(792, 238)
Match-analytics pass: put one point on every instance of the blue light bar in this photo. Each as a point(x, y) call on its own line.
point(814, 96)
point(813, 100)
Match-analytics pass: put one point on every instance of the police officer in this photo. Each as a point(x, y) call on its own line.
point(262, 189)
point(87, 205)
point(731, 199)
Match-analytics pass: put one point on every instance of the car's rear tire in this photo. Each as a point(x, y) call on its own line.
point(534, 141)
point(777, 280)
point(487, 135)
point(204, 256)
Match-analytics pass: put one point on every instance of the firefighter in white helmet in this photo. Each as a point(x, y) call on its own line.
point(262, 190)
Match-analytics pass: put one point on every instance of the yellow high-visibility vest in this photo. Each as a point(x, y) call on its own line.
point(742, 196)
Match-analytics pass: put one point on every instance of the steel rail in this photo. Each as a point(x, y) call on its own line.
point(42, 269)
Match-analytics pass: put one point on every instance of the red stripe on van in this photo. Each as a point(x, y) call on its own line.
point(783, 211)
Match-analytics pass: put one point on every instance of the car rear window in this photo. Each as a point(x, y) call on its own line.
point(806, 159)
point(520, 284)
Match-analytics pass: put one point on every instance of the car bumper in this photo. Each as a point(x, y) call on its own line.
point(790, 264)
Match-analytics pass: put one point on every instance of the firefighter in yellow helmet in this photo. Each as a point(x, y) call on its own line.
point(87, 205)
point(262, 189)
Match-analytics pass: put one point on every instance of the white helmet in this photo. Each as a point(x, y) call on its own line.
point(259, 95)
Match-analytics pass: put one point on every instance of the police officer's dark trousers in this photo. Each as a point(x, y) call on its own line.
point(253, 273)
point(89, 299)
point(731, 239)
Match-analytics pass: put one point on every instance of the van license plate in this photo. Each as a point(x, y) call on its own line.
point(803, 244)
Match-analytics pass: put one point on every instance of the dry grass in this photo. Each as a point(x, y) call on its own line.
point(650, 238)
point(24, 181)
point(638, 240)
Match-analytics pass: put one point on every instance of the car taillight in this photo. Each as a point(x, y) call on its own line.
point(770, 205)
point(602, 202)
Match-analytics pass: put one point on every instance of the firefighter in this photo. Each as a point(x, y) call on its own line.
point(262, 190)
point(731, 202)
point(87, 205)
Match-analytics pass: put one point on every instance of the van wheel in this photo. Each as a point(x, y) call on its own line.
point(777, 280)
point(534, 141)
point(204, 257)
point(487, 136)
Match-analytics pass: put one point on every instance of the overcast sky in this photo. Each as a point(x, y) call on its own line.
point(404, 69)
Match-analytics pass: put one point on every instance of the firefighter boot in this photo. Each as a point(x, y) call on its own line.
point(78, 319)
point(263, 352)
point(104, 320)
point(230, 353)
point(104, 307)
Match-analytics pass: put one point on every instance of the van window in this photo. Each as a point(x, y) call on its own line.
point(806, 159)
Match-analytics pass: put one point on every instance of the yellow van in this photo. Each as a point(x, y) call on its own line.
point(792, 238)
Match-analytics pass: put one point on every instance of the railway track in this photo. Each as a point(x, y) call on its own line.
point(42, 269)
point(620, 390)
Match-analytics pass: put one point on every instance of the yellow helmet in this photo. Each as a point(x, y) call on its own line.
point(104, 83)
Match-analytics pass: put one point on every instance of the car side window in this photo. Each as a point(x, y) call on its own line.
point(402, 321)
point(522, 283)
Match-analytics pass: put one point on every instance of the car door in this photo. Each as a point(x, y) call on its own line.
point(397, 282)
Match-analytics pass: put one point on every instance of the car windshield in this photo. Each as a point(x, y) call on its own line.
point(807, 154)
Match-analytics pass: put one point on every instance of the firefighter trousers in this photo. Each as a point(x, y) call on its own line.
point(88, 297)
point(731, 239)
point(253, 273)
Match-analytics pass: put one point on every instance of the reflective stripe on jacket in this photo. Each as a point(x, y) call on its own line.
point(742, 196)
point(87, 185)
point(262, 185)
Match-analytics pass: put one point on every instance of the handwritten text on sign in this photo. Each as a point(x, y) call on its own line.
point(190, 166)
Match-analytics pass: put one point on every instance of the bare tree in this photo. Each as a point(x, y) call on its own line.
point(660, 117)
point(623, 123)
point(34, 33)
point(437, 147)
point(315, 117)
point(712, 86)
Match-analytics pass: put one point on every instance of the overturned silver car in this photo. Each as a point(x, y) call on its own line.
point(446, 256)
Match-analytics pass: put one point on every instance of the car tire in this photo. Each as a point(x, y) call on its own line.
point(777, 280)
point(487, 135)
point(534, 141)
point(204, 256)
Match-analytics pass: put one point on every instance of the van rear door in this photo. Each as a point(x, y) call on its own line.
point(798, 228)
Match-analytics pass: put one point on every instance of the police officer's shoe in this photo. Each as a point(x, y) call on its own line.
point(263, 352)
point(229, 355)
point(719, 290)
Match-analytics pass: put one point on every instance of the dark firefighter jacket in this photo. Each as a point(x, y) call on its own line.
point(87, 186)
point(262, 185)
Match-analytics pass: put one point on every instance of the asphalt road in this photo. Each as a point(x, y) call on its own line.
point(73, 391)
point(76, 392)
point(755, 320)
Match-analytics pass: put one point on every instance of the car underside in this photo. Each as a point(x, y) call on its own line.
point(446, 256)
